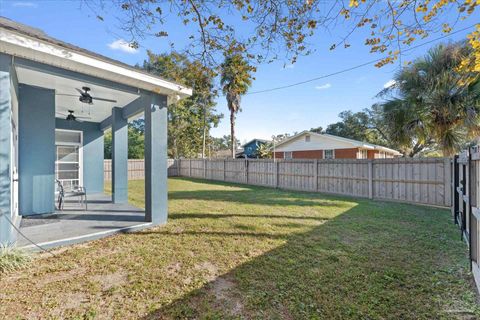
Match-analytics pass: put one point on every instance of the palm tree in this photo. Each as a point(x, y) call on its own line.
point(401, 130)
point(436, 100)
point(236, 78)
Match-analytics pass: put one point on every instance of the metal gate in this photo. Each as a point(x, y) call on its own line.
point(466, 207)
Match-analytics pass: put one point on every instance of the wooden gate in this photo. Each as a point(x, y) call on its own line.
point(466, 205)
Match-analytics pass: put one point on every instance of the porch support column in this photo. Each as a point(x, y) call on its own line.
point(119, 157)
point(5, 136)
point(156, 160)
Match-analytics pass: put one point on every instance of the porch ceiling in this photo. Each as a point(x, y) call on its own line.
point(97, 112)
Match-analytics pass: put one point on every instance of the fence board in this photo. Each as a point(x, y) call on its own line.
point(418, 180)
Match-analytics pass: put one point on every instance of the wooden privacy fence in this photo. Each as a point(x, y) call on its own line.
point(136, 169)
point(466, 203)
point(417, 180)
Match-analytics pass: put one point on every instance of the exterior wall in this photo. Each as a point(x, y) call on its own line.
point(250, 150)
point(371, 154)
point(93, 143)
point(348, 153)
point(6, 234)
point(36, 150)
point(312, 154)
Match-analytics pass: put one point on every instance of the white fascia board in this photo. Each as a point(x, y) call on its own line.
point(385, 149)
point(40, 51)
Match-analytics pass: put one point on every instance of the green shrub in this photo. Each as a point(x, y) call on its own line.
point(12, 258)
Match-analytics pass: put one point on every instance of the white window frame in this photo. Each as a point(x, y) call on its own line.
point(80, 152)
point(285, 155)
point(362, 154)
point(325, 153)
point(307, 138)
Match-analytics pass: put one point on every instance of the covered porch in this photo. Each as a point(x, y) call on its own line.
point(57, 100)
point(73, 224)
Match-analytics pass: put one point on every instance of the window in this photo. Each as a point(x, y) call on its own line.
point(307, 138)
point(362, 154)
point(287, 155)
point(68, 158)
point(381, 155)
point(68, 137)
point(329, 154)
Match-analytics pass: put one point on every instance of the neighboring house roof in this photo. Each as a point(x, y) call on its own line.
point(33, 44)
point(345, 141)
point(253, 140)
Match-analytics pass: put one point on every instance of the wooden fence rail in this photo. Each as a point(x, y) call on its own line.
point(136, 169)
point(417, 180)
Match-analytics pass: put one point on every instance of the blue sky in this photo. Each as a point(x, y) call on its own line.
point(295, 109)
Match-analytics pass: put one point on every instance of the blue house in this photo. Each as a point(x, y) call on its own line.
point(250, 149)
point(56, 102)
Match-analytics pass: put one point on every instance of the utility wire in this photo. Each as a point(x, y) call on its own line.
point(357, 66)
point(21, 233)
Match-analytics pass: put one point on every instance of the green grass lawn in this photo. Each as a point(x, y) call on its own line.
point(233, 251)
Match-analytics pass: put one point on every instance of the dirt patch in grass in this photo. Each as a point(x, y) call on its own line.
point(111, 280)
point(227, 297)
point(58, 276)
point(72, 301)
point(173, 269)
point(208, 269)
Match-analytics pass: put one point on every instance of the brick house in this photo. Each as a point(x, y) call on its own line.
point(310, 145)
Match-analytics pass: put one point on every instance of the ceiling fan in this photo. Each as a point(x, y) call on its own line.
point(85, 96)
point(71, 117)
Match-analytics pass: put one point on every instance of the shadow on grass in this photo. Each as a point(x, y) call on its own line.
point(252, 196)
point(371, 262)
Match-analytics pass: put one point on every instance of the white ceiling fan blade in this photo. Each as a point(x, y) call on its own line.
point(66, 95)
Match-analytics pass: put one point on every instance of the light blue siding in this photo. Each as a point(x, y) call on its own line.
point(6, 235)
point(37, 150)
point(156, 160)
point(119, 157)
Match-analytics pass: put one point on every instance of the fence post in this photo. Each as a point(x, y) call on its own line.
point(276, 174)
point(204, 168)
point(224, 169)
point(178, 166)
point(246, 171)
point(370, 179)
point(190, 168)
point(469, 206)
point(315, 170)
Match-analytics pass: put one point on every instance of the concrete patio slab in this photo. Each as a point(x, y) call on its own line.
point(75, 225)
